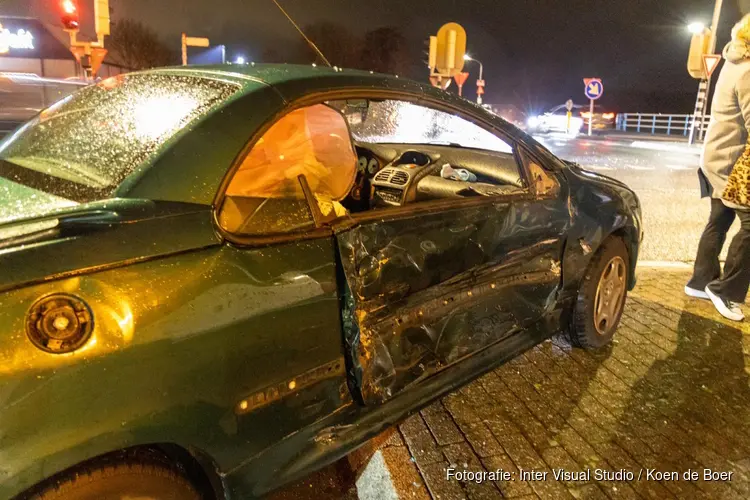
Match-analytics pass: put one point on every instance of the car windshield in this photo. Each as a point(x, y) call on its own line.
point(402, 122)
point(82, 147)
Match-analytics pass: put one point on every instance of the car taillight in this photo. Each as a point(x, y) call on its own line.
point(608, 116)
point(585, 114)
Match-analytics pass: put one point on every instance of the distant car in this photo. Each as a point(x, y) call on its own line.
point(215, 280)
point(23, 95)
point(556, 120)
point(509, 113)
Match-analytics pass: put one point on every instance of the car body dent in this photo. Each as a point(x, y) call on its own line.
point(600, 206)
point(423, 295)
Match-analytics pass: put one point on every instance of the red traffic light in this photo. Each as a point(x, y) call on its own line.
point(69, 14)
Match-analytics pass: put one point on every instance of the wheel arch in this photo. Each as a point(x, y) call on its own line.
point(197, 466)
point(629, 236)
point(580, 248)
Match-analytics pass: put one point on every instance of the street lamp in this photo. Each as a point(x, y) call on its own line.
point(696, 28)
point(467, 57)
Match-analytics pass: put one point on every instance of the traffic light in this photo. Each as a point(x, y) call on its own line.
point(69, 14)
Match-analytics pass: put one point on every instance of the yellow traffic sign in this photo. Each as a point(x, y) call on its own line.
point(451, 48)
point(195, 41)
point(700, 45)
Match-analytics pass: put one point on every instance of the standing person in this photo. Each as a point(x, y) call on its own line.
point(726, 139)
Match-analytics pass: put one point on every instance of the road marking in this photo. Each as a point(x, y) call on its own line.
point(677, 148)
point(376, 482)
point(639, 167)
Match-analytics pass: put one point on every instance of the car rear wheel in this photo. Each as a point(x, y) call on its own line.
point(137, 478)
point(601, 296)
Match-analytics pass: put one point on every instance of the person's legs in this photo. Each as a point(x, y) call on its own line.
point(707, 267)
point(734, 284)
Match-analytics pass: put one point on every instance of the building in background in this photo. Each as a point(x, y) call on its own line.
point(36, 70)
point(27, 46)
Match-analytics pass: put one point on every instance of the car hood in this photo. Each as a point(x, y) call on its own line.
point(21, 202)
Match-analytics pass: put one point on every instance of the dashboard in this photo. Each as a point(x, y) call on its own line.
point(398, 174)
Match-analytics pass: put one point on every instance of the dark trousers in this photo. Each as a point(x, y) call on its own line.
point(734, 284)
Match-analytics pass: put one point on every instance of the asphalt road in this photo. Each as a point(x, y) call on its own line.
point(665, 180)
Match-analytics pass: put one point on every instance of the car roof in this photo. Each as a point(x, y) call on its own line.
point(287, 75)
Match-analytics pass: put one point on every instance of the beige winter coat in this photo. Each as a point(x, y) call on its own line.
point(730, 118)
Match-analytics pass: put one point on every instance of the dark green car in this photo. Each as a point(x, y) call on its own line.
point(216, 280)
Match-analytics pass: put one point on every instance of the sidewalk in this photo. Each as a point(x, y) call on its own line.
point(671, 394)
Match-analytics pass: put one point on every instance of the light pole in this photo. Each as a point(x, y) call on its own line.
point(703, 44)
point(715, 25)
point(467, 57)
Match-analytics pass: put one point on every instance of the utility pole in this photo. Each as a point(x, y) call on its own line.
point(714, 36)
point(703, 44)
point(715, 25)
point(480, 82)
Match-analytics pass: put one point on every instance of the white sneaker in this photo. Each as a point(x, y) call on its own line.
point(729, 310)
point(698, 294)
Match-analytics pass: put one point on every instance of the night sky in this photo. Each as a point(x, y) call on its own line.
point(535, 52)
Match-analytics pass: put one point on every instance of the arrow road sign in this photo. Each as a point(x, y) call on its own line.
point(710, 62)
point(594, 88)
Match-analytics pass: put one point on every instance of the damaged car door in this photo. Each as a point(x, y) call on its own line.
point(427, 285)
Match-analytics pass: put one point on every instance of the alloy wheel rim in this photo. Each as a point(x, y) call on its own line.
point(609, 296)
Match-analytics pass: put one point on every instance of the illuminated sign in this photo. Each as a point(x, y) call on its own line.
point(21, 39)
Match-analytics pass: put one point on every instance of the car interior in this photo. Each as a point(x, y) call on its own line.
point(349, 175)
point(400, 174)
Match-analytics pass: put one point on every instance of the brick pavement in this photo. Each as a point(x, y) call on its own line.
point(671, 393)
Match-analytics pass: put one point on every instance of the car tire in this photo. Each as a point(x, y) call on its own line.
point(141, 478)
point(604, 288)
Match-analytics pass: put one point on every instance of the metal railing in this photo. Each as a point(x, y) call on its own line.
point(657, 123)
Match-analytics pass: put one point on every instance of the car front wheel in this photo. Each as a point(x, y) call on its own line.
point(127, 479)
point(601, 296)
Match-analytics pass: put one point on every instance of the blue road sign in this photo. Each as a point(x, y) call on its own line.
point(594, 88)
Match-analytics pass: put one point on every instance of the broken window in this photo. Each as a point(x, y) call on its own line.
point(543, 183)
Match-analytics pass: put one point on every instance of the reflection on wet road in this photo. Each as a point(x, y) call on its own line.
point(664, 179)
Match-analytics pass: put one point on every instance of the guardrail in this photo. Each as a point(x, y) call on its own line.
point(657, 123)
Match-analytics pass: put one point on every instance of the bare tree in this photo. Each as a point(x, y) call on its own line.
point(136, 46)
point(339, 46)
point(385, 50)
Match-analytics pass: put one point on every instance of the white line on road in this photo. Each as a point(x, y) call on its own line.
point(677, 148)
